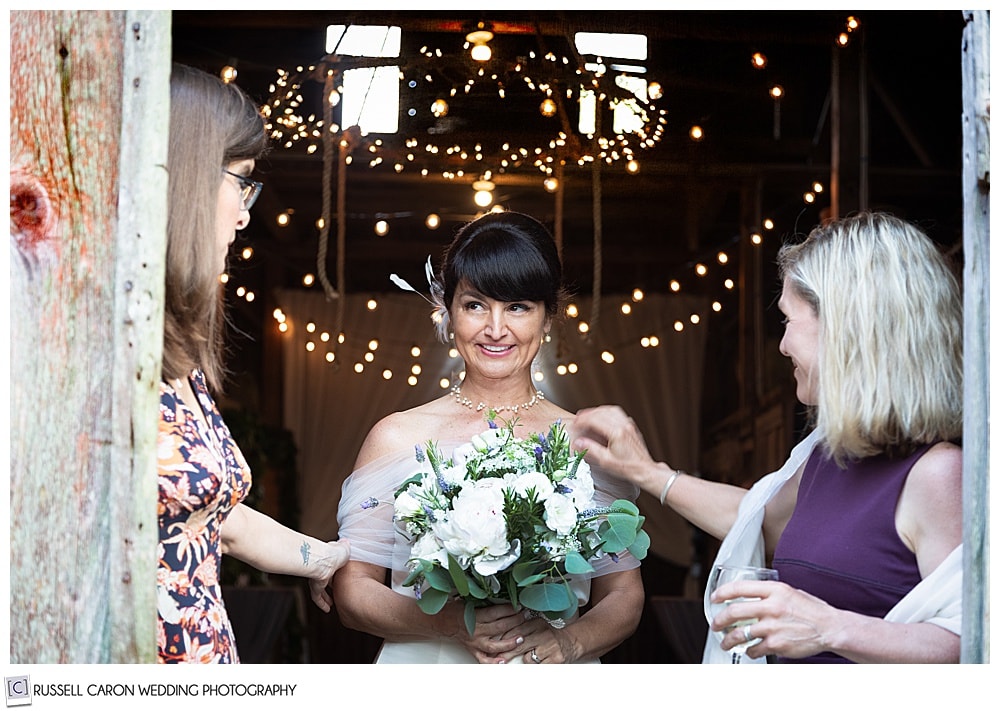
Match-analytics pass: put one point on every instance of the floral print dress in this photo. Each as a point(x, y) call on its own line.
point(202, 477)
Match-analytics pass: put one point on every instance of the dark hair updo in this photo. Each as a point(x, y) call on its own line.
point(508, 256)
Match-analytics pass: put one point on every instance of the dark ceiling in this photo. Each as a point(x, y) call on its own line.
point(688, 200)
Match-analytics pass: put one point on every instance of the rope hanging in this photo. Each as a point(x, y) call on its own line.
point(324, 231)
point(344, 147)
point(595, 308)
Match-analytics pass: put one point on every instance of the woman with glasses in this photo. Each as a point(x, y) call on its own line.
point(216, 135)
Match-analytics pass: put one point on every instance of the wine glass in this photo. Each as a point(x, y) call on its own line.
point(722, 574)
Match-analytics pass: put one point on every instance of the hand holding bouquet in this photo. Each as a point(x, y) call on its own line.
point(508, 520)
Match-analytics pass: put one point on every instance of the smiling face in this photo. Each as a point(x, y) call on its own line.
point(800, 342)
point(497, 339)
point(230, 217)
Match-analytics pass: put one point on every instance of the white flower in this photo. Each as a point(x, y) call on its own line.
point(492, 564)
point(453, 474)
point(489, 439)
point(476, 522)
point(407, 504)
point(560, 514)
point(428, 548)
point(462, 454)
point(582, 486)
point(533, 480)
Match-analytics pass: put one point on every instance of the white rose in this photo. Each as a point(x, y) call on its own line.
point(583, 487)
point(476, 523)
point(406, 505)
point(560, 514)
point(533, 480)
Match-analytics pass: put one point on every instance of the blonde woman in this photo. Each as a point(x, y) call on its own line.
point(864, 521)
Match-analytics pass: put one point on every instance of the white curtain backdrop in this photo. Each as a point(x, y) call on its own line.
point(329, 407)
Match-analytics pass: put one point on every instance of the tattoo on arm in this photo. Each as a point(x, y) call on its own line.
point(304, 550)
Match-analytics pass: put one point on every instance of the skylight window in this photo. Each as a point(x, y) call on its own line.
point(370, 95)
point(609, 47)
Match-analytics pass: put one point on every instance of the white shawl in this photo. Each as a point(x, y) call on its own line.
point(936, 599)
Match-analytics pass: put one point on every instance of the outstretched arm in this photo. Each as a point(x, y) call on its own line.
point(613, 441)
point(260, 541)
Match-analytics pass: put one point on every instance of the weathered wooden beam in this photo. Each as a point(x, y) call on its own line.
point(976, 278)
point(82, 509)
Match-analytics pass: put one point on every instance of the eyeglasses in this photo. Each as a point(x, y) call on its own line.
point(249, 189)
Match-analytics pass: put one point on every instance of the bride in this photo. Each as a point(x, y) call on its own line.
point(500, 290)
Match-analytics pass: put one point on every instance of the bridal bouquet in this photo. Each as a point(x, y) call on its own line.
point(508, 520)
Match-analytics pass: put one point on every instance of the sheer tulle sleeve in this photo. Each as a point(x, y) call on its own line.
point(607, 489)
point(366, 507)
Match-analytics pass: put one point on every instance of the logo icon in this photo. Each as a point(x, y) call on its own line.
point(18, 690)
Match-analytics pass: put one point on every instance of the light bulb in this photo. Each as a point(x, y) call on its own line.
point(482, 52)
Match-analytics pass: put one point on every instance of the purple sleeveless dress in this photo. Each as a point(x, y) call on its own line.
point(841, 543)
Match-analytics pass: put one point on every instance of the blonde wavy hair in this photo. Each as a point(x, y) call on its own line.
point(890, 318)
point(211, 125)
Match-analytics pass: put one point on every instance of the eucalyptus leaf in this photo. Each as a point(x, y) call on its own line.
point(547, 597)
point(523, 571)
point(577, 564)
point(617, 532)
point(625, 506)
point(470, 617)
point(458, 576)
point(438, 579)
point(640, 547)
point(531, 580)
point(431, 601)
point(476, 590)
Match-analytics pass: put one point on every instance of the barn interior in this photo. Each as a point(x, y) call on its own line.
point(718, 136)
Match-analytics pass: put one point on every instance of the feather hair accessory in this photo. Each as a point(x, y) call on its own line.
point(440, 313)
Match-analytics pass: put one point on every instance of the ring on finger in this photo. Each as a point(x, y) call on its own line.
point(534, 657)
point(747, 635)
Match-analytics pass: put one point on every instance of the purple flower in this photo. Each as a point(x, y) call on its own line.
point(421, 457)
point(493, 425)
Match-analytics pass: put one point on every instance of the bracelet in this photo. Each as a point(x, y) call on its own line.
point(666, 487)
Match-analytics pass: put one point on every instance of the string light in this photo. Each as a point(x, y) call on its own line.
point(514, 157)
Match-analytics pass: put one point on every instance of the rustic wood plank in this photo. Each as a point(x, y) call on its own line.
point(976, 278)
point(138, 333)
point(67, 391)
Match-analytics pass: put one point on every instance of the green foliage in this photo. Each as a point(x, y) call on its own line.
point(542, 554)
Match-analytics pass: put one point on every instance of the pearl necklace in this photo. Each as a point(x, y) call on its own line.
point(462, 400)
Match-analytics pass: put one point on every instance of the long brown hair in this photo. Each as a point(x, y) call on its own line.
point(211, 125)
